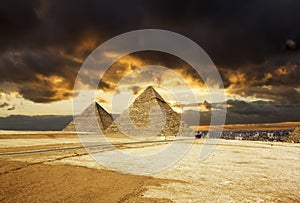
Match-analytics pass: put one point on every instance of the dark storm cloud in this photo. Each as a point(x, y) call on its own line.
point(280, 94)
point(233, 32)
point(254, 38)
point(36, 23)
point(20, 66)
point(41, 39)
point(248, 112)
point(277, 80)
point(133, 61)
point(261, 112)
point(18, 22)
point(36, 74)
point(255, 44)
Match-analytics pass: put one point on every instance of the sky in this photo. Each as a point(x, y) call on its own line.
point(254, 45)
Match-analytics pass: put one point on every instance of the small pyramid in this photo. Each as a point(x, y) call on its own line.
point(150, 115)
point(294, 137)
point(85, 121)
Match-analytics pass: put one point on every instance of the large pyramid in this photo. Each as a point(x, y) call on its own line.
point(149, 115)
point(294, 136)
point(85, 121)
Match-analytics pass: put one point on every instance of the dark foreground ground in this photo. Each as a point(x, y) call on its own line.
point(25, 182)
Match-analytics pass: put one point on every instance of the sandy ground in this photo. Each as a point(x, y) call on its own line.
point(236, 171)
point(23, 182)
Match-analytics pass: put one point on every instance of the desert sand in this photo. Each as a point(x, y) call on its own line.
point(54, 167)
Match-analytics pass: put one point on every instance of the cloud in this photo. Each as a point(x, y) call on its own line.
point(40, 76)
point(272, 80)
point(219, 27)
point(4, 105)
point(46, 89)
point(290, 44)
point(248, 112)
point(135, 89)
point(262, 112)
point(281, 94)
point(254, 43)
point(125, 65)
point(102, 100)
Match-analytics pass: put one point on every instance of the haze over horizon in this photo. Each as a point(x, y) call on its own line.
point(254, 45)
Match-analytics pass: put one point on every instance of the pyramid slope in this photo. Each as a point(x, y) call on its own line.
point(150, 115)
point(85, 121)
point(294, 137)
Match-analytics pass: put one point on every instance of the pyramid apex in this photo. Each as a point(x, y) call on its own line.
point(150, 87)
point(93, 104)
point(151, 91)
point(90, 118)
